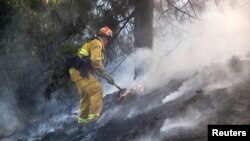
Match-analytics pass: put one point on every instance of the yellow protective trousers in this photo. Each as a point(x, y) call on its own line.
point(91, 93)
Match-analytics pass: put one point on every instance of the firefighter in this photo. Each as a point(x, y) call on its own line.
point(88, 86)
point(83, 69)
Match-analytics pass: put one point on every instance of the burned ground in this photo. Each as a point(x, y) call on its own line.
point(148, 117)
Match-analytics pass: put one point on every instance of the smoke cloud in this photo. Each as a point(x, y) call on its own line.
point(9, 122)
point(199, 51)
point(182, 49)
point(220, 34)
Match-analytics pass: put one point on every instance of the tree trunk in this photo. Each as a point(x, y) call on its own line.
point(143, 31)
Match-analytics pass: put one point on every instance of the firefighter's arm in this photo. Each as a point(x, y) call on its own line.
point(96, 62)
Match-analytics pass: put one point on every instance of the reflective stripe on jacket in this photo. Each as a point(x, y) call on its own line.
point(94, 49)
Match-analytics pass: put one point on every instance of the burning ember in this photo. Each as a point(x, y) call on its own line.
point(136, 90)
point(139, 89)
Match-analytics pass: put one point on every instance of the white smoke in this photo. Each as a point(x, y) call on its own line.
point(189, 121)
point(220, 34)
point(202, 47)
point(181, 50)
point(172, 126)
point(9, 119)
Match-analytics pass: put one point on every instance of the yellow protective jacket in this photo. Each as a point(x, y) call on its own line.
point(89, 88)
point(93, 48)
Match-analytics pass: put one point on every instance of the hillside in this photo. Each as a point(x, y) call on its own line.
point(165, 114)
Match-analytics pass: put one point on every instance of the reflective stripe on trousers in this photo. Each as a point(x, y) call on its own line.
point(89, 119)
